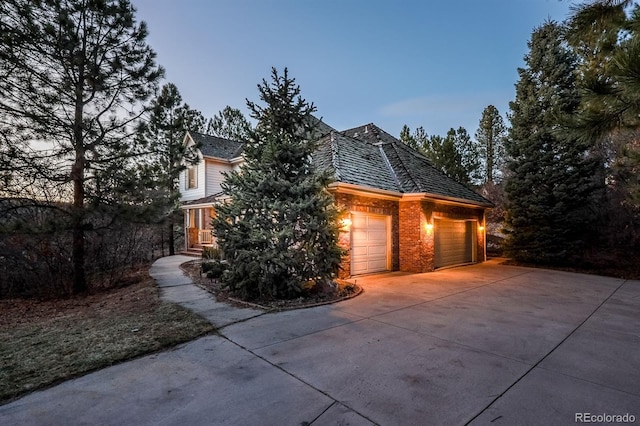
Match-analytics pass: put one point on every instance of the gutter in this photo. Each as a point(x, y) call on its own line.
point(350, 188)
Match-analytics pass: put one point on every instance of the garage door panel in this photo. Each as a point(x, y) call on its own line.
point(360, 238)
point(359, 268)
point(377, 236)
point(369, 242)
point(454, 242)
point(359, 251)
point(380, 264)
point(359, 221)
point(378, 250)
point(377, 224)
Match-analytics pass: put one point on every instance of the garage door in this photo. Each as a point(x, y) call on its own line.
point(454, 242)
point(369, 244)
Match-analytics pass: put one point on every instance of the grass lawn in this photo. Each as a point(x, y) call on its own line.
point(46, 342)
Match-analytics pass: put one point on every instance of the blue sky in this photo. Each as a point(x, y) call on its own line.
point(435, 64)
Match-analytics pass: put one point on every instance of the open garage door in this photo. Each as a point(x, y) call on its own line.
point(369, 243)
point(455, 242)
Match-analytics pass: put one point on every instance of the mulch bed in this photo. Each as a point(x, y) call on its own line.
point(344, 290)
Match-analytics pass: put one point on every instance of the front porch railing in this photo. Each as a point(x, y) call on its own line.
point(205, 236)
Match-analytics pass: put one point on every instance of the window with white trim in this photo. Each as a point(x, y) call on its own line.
point(192, 177)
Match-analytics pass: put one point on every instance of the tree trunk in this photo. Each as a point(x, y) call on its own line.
point(77, 176)
point(172, 243)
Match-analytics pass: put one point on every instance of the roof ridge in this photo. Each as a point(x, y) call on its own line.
point(334, 154)
point(413, 151)
point(413, 179)
point(390, 167)
point(206, 135)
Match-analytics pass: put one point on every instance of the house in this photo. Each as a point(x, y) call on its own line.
point(402, 214)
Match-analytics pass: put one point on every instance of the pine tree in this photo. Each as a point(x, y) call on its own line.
point(551, 177)
point(76, 74)
point(469, 162)
point(417, 140)
point(168, 123)
point(229, 123)
point(455, 155)
point(490, 138)
point(606, 35)
point(278, 228)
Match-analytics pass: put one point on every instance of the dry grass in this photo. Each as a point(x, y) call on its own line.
point(45, 342)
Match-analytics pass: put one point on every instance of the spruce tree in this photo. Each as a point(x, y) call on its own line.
point(550, 181)
point(278, 227)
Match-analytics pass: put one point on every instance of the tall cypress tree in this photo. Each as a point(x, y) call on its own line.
point(550, 181)
point(278, 228)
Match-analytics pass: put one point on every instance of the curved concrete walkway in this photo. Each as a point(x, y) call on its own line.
point(481, 345)
point(175, 286)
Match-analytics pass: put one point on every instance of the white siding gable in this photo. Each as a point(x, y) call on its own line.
point(187, 194)
point(214, 176)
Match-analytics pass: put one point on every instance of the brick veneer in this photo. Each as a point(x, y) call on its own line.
point(416, 241)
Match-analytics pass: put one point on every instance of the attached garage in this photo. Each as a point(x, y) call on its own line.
point(454, 242)
point(370, 243)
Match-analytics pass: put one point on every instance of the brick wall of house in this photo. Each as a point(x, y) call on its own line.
point(416, 240)
point(360, 204)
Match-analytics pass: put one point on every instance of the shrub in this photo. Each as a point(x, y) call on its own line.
point(214, 270)
point(213, 253)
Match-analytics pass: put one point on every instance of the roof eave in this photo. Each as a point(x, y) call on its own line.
point(445, 199)
point(235, 160)
point(349, 188)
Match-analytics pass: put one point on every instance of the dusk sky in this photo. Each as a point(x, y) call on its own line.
point(435, 64)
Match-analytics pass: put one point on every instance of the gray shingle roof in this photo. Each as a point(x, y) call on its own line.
point(419, 175)
point(213, 146)
point(204, 200)
point(366, 156)
point(321, 128)
point(369, 156)
point(356, 162)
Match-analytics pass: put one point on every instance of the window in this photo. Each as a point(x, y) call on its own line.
point(192, 177)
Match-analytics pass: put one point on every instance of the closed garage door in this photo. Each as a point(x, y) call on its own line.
point(454, 242)
point(369, 243)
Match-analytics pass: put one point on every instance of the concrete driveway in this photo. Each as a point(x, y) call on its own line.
point(482, 345)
